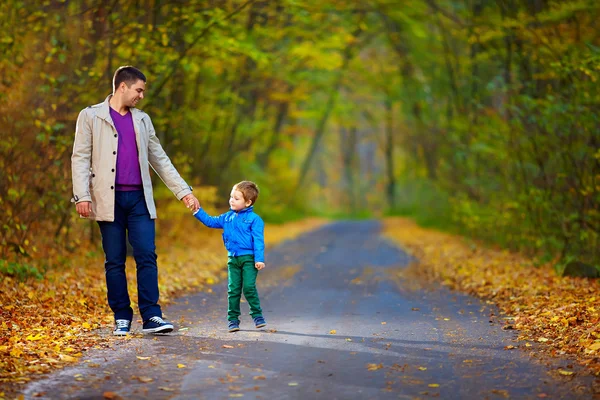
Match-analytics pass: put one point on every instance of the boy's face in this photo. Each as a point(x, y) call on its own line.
point(237, 202)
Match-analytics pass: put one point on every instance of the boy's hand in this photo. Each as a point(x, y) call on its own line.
point(259, 265)
point(191, 202)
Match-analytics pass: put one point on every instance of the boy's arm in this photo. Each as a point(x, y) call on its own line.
point(258, 234)
point(211, 222)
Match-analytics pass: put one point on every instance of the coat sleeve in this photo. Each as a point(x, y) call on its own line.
point(161, 163)
point(81, 159)
point(258, 234)
point(212, 222)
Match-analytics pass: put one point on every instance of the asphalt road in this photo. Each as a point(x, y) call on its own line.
point(341, 325)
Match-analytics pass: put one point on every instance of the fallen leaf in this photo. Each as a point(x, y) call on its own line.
point(181, 365)
point(509, 347)
point(433, 385)
point(259, 378)
point(423, 368)
point(166, 389)
point(293, 384)
point(110, 395)
point(143, 358)
point(467, 361)
point(565, 373)
point(543, 339)
point(348, 340)
point(226, 346)
point(374, 367)
point(332, 332)
point(383, 323)
point(144, 379)
point(594, 346)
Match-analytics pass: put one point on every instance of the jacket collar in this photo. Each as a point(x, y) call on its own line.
point(244, 210)
point(104, 111)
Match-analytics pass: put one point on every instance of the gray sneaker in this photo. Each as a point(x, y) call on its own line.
point(122, 327)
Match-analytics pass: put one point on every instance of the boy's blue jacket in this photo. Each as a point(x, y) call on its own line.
point(243, 231)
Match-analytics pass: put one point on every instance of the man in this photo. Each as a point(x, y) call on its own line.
point(115, 143)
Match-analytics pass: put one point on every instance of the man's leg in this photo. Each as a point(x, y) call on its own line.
point(249, 273)
point(141, 236)
point(234, 289)
point(115, 251)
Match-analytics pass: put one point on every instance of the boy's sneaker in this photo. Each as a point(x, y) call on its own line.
point(122, 327)
point(233, 326)
point(259, 322)
point(157, 325)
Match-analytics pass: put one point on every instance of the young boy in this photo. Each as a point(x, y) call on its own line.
point(243, 235)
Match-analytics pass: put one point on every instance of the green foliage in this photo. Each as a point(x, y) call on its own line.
point(480, 117)
point(21, 271)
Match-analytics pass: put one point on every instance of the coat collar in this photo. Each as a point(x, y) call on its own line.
point(244, 210)
point(104, 111)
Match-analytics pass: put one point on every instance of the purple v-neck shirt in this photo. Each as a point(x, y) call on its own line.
point(128, 177)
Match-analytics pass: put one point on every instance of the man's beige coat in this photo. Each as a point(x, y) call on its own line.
point(94, 161)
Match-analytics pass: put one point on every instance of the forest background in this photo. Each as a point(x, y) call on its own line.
point(480, 117)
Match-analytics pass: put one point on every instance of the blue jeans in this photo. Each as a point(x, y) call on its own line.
point(133, 220)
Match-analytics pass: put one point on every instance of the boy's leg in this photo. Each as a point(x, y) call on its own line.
point(249, 273)
point(115, 251)
point(234, 289)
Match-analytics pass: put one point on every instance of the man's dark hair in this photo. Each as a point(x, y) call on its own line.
point(127, 74)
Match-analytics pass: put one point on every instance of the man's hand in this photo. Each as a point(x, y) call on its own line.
point(259, 265)
point(84, 208)
point(191, 202)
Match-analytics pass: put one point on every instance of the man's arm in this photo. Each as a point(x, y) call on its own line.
point(161, 163)
point(80, 165)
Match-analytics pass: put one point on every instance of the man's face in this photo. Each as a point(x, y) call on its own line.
point(133, 94)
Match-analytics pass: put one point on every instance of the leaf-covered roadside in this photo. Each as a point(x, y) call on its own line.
point(48, 323)
point(559, 312)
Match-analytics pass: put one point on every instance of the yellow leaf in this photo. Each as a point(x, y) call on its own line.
point(374, 367)
point(145, 379)
point(293, 384)
point(467, 361)
point(595, 346)
point(423, 368)
point(259, 378)
point(16, 352)
point(332, 332)
point(143, 358)
point(181, 365)
point(226, 346)
point(86, 325)
point(67, 358)
point(39, 336)
point(543, 339)
point(566, 373)
point(433, 385)
point(383, 323)
point(166, 389)
point(348, 339)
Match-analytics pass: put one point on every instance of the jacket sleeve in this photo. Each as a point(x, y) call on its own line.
point(258, 234)
point(161, 163)
point(81, 159)
point(212, 222)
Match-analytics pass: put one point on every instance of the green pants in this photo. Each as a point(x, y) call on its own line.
point(242, 277)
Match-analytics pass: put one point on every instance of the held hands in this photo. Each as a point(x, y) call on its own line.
point(259, 265)
point(191, 202)
point(84, 208)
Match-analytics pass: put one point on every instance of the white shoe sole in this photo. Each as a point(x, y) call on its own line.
point(120, 333)
point(160, 329)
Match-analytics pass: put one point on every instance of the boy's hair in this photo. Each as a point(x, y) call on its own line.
point(248, 189)
point(127, 74)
